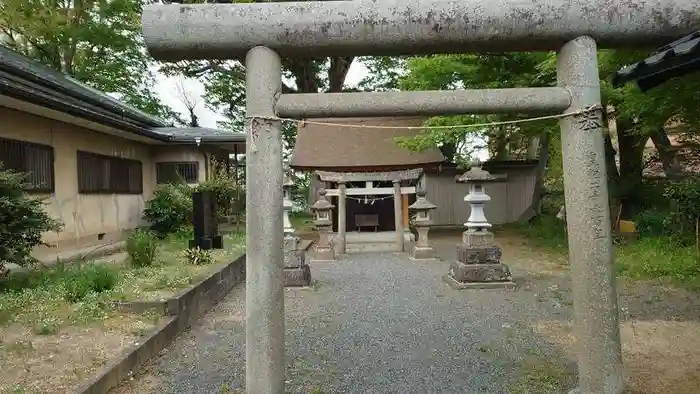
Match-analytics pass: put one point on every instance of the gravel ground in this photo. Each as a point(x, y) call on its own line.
point(377, 323)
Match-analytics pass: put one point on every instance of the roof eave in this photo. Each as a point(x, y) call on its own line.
point(35, 72)
point(71, 108)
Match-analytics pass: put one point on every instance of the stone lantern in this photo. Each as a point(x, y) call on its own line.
point(322, 209)
point(422, 207)
point(478, 262)
point(287, 203)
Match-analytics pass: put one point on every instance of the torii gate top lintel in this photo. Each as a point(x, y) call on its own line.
point(372, 27)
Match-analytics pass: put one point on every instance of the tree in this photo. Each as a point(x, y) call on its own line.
point(224, 80)
point(483, 71)
point(97, 42)
point(190, 101)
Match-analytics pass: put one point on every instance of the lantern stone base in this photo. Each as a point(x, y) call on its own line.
point(479, 276)
point(323, 254)
point(297, 276)
point(423, 253)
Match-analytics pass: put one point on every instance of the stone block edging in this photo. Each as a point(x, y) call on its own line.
point(181, 311)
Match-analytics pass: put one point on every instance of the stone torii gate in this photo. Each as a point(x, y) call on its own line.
point(263, 32)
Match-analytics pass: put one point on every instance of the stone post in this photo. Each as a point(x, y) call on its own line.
point(422, 249)
point(478, 262)
point(322, 209)
point(398, 217)
point(341, 239)
point(588, 223)
point(287, 203)
point(264, 274)
point(296, 271)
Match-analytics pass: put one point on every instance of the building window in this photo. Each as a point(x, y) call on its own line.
point(169, 172)
point(108, 174)
point(36, 160)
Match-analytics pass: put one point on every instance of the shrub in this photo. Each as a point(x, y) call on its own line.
point(198, 256)
point(22, 220)
point(653, 223)
point(170, 208)
point(223, 185)
point(141, 246)
point(80, 281)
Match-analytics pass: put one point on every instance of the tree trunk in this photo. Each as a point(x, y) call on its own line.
point(533, 146)
point(672, 167)
point(500, 144)
point(631, 147)
point(535, 207)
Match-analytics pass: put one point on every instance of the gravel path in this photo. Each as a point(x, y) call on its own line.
point(375, 323)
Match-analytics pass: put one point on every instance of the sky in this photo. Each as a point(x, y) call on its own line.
point(167, 90)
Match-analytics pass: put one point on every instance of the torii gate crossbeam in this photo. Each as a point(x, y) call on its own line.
point(265, 31)
point(409, 27)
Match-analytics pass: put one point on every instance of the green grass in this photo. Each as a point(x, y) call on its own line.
point(302, 222)
point(544, 232)
point(659, 257)
point(81, 293)
point(646, 258)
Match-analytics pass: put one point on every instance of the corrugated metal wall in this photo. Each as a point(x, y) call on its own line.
point(509, 198)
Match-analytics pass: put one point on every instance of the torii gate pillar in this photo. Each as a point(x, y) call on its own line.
point(266, 31)
point(596, 324)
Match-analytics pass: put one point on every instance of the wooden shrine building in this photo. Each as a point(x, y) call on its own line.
point(370, 178)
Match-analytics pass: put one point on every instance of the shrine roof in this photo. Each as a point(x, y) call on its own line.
point(339, 148)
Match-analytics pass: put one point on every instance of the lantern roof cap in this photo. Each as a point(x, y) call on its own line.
point(322, 203)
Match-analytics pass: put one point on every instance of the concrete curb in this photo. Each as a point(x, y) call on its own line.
point(181, 311)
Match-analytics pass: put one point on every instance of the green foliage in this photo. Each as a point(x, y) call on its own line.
point(659, 257)
point(22, 220)
point(81, 280)
point(686, 196)
point(223, 185)
point(198, 256)
point(170, 208)
point(141, 246)
point(74, 283)
point(544, 231)
point(98, 42)
point(654, 223)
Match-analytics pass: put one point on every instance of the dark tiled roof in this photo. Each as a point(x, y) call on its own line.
point(356, 149)
point(673, 60)
point(185, 133)
point(28, 80)
point(30, 73)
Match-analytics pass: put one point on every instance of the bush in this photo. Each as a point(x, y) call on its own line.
point(22, 220)
point(170, 208)
point(141, 247)
point(198, 256)
point(223, 185)
point(80, 281)
point(653, 223)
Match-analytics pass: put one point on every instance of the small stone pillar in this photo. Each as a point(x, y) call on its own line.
point(398, 217)
point(341, 239)
point(322, 209)
point(296, 271)
point(287, 203)
point(422, 207)
point(478, 262)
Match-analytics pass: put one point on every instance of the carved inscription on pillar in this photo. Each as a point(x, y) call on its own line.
point(591, 121)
